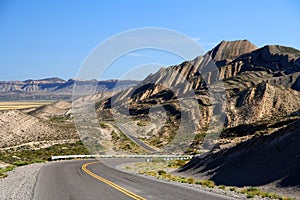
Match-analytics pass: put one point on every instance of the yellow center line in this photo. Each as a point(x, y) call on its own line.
point(117, 187)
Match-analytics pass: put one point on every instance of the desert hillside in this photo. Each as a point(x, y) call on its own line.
point(59, 108)
point(269, 161)
point(17, 128)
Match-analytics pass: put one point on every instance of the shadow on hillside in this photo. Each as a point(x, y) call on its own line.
point(256, 162)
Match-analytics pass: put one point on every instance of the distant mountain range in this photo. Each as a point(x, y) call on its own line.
point(55, 88)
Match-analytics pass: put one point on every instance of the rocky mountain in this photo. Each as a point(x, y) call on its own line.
point(260, 84)
point(55, 88)
point(228, 51)
point(259, 91)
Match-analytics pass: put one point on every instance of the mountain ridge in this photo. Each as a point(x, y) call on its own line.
point(258, 145)
point(55, 88)
point(231, 49)
point(260, 83)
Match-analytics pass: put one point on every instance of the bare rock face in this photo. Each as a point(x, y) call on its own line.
point(262, 102)
point(230, 50)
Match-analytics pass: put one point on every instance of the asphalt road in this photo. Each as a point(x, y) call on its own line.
point(69, 180)
point(135, 139)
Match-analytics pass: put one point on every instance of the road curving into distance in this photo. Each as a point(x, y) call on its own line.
point(135, 139)
point(99, 180)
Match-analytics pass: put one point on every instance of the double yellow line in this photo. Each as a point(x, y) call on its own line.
point(117, 187)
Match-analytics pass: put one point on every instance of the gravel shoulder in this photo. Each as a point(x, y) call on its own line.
point(19, 184)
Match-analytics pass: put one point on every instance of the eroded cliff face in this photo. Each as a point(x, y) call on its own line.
point(231, 50)
point(262, 102)
point(262, 123)
point(259, 83)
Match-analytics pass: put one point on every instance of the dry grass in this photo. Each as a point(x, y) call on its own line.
point(18, 105)
point(161, 170)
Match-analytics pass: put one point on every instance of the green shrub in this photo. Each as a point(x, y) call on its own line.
point(20, 163)
point(150, 173)
point(103, 125)
point(37, 161)
point(177, 163)
point(183, 180)
point(252, 189)
point(27, 156)
point(58, 119)
point(3, 171)
point(205, 183)
point(3, 175)
point(222, 187)
point(140, 123)
point(190, 180)
point(198, 182)
point(114, 136)
point(252, 192)
point(161, 172)
point(167, 176)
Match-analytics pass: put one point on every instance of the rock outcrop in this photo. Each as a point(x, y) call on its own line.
point(230, 50)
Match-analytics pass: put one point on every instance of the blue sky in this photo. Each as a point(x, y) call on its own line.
point(41, 39)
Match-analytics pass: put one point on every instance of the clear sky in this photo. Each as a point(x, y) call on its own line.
point(51, 38)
